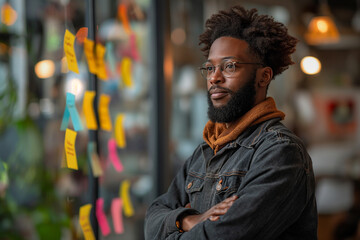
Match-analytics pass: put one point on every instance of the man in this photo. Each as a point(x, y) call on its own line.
point(251, 178)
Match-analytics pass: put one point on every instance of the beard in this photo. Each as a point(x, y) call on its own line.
point(240, 103)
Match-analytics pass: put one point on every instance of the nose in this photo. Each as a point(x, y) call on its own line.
point(217, 77)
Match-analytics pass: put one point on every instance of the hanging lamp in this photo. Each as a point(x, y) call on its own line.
point(322, 29)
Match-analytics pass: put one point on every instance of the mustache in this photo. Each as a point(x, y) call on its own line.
point(222, 88)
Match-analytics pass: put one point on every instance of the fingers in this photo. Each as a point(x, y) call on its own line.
point(214, 218)
point(221, 208)
point(231, 199)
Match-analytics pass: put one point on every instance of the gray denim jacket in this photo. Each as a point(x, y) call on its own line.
point(267, 166)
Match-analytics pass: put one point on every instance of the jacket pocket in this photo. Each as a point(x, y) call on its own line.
point(193, 187)
point(228, 185)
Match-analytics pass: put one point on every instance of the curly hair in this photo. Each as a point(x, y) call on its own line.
point(268, 40)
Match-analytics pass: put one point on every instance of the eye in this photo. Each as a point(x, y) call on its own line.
point(229, 66)
point(209, 68)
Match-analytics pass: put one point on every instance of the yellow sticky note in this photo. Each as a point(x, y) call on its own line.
point(120, 131)
point(96, 166)
point(126, 71)
point(100, 62)
point(89, 54)
point(88, 108)
point(70, 137)
point(104, 114)
point(69, 40)
point(84, 220)
point(125, 196)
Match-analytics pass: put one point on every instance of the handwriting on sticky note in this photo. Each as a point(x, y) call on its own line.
point(70, 137)
point(100, 62)
point(89, 54)
point(120, 131)
point(84, 220)
point(101, 217)
point(69, 50)
point(126, 71)
point(94, 160)
point(88, 108)
point(104, 114)
point(114, 156)
point(70, 111)
point(125, 196)
point(122, 12)
point(116, 212)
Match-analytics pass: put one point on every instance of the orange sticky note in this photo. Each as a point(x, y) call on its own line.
point(85, 224)
point(81, 35)
point(120, 131)
point(69, 39)
point(125, 196)
point(126, 71)
point(70, 137)
point(88, 108)
point(104, 114)
point(122, 12)
point(100, 62)
point(89, 54)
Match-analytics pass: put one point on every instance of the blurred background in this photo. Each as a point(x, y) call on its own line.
point(151, 78)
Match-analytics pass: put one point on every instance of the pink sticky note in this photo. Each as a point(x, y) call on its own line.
point(133, 47)
point(101, 217)
point(113, 155)
point(116, 209)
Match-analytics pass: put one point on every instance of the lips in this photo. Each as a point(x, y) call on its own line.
point(218, 93)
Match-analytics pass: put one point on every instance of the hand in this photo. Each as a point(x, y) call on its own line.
point(213, 214)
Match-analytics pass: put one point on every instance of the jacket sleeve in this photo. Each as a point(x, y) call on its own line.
point(162, 214)
point(279, 178)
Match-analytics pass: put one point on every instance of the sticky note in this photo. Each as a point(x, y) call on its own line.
point(81, 35)
point(116, 212)
point(110, 57)
point(133, 47)
point(100, 62)
point(122, 12)
point(120, 131)
point(70, 111)
point(89, 54)
point(101, 217)
point(94, 160)
point(104, 114)
point(88, 108)
point(85, 224)
point(126, 71)
point(114, 156)
point(125, 196)
point(70, 137)
point(69, 50)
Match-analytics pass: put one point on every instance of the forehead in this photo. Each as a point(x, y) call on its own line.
point(225, 47)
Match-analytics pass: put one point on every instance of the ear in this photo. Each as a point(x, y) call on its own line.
point(266, 75)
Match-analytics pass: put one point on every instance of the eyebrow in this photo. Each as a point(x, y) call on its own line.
point(225, 58)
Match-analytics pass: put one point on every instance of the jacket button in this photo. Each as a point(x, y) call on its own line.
point(189, 185)
point(219, 185)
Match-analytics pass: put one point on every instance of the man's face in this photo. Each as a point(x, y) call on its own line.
point(232, 96)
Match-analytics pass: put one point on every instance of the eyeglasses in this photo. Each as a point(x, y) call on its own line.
point(228, 68)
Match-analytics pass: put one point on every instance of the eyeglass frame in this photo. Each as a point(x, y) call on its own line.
point(233, 62)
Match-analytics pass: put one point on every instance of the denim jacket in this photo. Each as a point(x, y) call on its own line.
point(267, 166)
